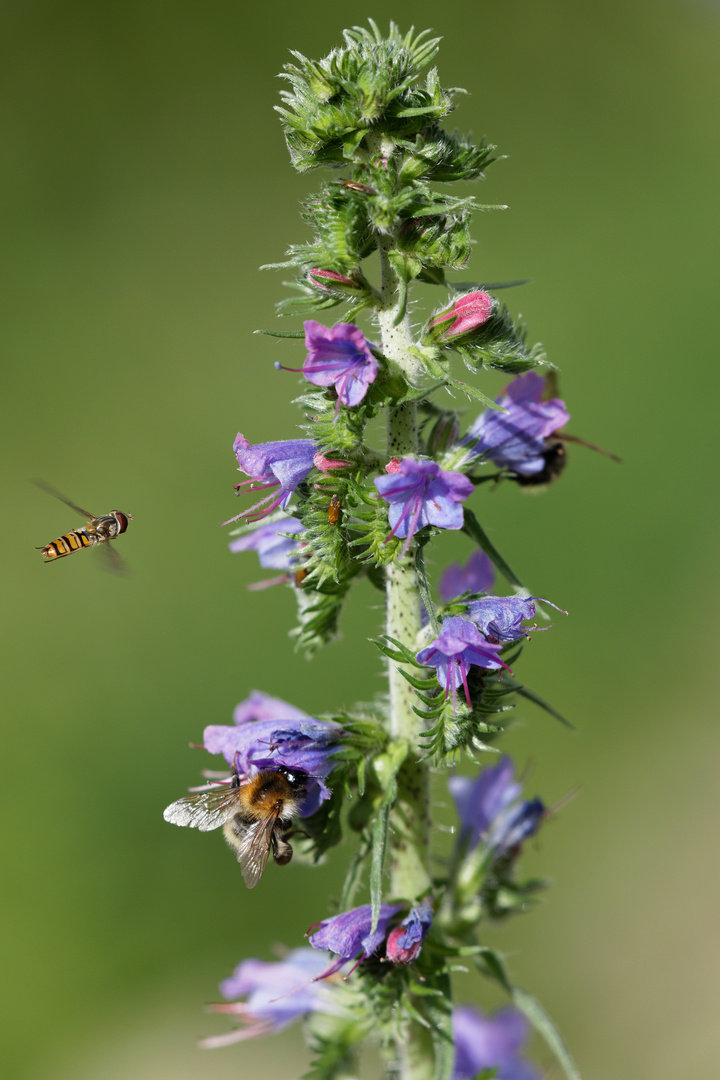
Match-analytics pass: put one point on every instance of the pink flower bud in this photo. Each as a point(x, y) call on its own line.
point(393, 466)
point(325, 464)
point(466, 314)
point(316, 276)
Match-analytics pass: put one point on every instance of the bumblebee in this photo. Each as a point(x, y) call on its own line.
point(255, 816)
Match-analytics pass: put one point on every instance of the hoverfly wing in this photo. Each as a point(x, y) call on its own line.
point(205, 810)
point(254, 848)
point(56, 495)
point(112, 560)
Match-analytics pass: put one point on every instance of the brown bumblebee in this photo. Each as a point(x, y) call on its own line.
point(255, 816)
point(97, 531)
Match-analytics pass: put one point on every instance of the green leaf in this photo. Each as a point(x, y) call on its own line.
point(424, 586)
point(379, 843)
point(545, 1027)
point(386, 767)
point(533, 1010)
point(526, 692)
point(282, 333)
point(438, 1011)
point(352, 878)
point(473, 392)
point(474, 530)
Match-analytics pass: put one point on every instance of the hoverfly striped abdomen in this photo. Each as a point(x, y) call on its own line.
point(67, 544)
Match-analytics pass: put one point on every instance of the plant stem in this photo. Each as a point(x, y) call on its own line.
point(410, 816)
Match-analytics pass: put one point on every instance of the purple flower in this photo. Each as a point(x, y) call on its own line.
point(476, 576)
point(515, 439)
point(459, 645)
point(339, 357)
point(490, 1042)
point(500, 617)
point(277, 993)
point(268, 732)
point(405, 941)
point(421, 493)
point(349, 934)
point(465, 315)
point(275, 550)
point(276, 465)
point(490, 812)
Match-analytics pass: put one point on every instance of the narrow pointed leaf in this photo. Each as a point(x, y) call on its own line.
point(474, 530)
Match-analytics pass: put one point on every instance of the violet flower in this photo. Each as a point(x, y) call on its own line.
point(276, 993)
point(349, 935)
point(405, 941)
point(500, 618)
point(515, 439)
point(476, 576)
point(339, 357)
point(268, 732)
point(490, 1042)
point(466, 314)
point(275, 465)
point(421, 493)
point(459, 645)
point(276, 551)
point(490, 811)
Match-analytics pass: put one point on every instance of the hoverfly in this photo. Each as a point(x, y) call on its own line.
point(255, 816)
point(99, 530)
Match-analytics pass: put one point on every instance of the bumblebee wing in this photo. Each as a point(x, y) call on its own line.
point(254, 848)
point(56, 495)
point(205, 810)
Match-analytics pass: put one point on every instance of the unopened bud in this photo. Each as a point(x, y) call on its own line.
point(465, 315)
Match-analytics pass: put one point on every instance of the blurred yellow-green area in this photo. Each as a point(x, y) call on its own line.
point(144, 181)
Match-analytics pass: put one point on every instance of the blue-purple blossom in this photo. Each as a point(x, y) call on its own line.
point(490, 1042)
point(491, 812)
point(500, 618)
point(476, 576)
point(276, 993)
point(276, 551)
point(279, 466)
point(339, 356)
point(405, 941)
point(515, 439)
point(349, 934)
point(459, 645)
point(268, 732)
point(421, 493)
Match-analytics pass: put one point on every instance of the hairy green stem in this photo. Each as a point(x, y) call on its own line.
point(410, 816)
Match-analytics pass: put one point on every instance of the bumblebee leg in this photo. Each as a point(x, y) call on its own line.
point(282, 851)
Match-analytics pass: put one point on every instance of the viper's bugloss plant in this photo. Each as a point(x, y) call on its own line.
point(341, 501)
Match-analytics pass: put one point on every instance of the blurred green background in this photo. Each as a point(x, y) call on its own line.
point(144, 180)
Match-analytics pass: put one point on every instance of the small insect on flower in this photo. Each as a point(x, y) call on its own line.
point(334, 510)
point(99, 530)
point(355, 185)
point(255, 816)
